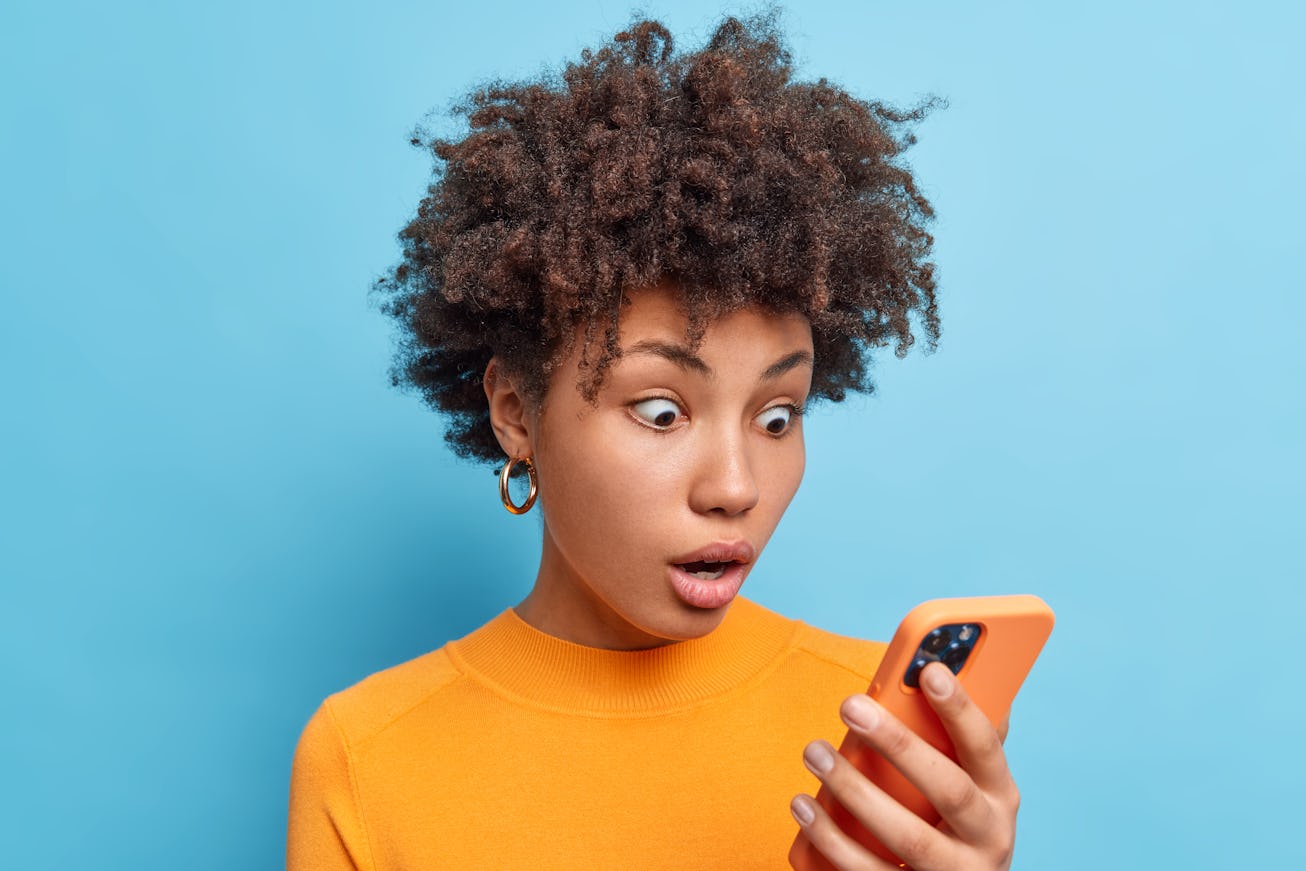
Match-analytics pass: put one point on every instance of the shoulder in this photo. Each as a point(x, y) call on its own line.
point(822, 651)
point(335, 749)
point(857, 656)
point(367, 708)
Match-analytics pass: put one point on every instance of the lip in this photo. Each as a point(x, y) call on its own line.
point(739, 551)
point(718, 592)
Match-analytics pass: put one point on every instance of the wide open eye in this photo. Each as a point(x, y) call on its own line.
point(658, 413)
point(775, 420)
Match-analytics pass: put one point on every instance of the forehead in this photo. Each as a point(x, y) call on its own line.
point(739, 349)
point(659, 313)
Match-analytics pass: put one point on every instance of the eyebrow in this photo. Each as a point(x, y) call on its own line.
point(691, 362)
point(784, 364)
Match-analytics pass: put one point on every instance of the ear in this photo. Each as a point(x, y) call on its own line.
point(509, 412)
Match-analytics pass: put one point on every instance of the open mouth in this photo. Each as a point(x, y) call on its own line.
point(710, 577)
point(705, 571)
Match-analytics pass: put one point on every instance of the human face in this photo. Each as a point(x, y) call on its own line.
point(686, 462)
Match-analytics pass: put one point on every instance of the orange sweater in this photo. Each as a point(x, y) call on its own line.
point(510, 748)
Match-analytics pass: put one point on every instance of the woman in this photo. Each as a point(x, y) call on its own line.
point(629, 282)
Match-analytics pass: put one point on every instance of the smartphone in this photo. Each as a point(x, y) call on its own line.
point(989, 642)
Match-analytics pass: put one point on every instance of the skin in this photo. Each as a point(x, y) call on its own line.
point(681, 451)
point(976, 795)
point(608, 474)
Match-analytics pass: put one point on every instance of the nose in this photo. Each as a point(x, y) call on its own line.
point(724, 482)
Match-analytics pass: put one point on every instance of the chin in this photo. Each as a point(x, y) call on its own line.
point(687, 622)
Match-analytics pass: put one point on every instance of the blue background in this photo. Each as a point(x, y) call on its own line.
point(215, 511)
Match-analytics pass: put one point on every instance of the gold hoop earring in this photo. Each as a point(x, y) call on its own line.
point(503, 485)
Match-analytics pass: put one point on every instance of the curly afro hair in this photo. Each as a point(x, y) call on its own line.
point(711, 169)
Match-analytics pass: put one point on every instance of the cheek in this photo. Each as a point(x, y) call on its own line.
point(796, 471)
point(783, 476)
point(599, 483)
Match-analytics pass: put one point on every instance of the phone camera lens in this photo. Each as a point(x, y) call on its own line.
point(936, 640)
point(955, 656)
point(913, 676)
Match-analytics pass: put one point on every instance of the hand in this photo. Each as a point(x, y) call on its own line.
point(976, 795)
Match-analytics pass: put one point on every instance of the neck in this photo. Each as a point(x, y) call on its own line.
point(561, 604)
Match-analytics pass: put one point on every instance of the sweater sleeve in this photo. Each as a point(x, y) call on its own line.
point(325, 831)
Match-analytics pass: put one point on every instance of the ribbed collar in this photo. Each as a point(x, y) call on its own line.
point(520, 662)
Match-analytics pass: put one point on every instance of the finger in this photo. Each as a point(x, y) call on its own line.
point(830, 841)
point(898, 828)
point(977, 744)
point(946, 786)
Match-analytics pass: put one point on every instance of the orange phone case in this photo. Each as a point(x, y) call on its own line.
point(1013, 630)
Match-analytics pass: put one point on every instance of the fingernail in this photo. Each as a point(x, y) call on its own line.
point(939, 684)
point(860, 711)
point(819, 757)
point(802, 810)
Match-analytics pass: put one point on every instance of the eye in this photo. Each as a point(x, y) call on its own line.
point(658, 413)
point(776, 419)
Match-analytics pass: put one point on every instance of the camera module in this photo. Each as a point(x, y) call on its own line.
point(936, 640)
